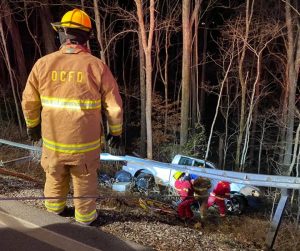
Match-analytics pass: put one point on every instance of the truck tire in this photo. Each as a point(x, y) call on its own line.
point(236, 204)
point(145, 182)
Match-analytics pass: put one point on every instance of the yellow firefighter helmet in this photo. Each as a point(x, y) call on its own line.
point(76, 19)
point(178, 174)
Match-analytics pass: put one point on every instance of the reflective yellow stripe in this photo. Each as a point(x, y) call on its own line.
point(55, 206)
point(85, 217)
point(115, 129)
point(71, 148)
point(32, 122)
point(76, 104)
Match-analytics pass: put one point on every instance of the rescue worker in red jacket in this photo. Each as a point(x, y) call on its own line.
point(62, 103)
point(185, 189)
point(220, 192)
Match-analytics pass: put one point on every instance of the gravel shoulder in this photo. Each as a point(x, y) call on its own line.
point(121, 216)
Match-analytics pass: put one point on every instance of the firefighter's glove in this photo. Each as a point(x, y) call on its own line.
point(114, 141)
point(34, 133)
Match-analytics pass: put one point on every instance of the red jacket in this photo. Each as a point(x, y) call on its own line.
point(222, 189)
point(184, 188)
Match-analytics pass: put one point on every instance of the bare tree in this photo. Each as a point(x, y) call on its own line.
point(48, 33)
point(164, 31)
point(296, 152)
point(261, 42)
point(243, 82)
point(195, 110)
point(16, 41)
point(99, 31)
point(143, 131)
point(147, 38)
point(29, 30)
point(227, 55)
point(292, 71)
point(10, 72)
point(187, 21)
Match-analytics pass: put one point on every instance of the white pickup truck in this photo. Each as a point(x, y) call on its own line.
point(153, 172)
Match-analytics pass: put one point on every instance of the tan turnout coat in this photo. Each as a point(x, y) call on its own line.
point(66, 91)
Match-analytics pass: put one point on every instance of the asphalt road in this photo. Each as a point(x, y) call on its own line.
point(27, 228)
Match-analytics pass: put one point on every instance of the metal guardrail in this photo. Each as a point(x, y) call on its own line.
point(103, 156)
point(282, 182)
point(262, 180)
point(19, 145)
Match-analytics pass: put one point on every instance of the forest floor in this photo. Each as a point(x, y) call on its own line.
point(121, 215)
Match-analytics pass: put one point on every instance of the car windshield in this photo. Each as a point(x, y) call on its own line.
point(185, 161)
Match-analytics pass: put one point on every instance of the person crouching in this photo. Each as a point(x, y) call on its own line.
point(185, 189)
point(220, 192)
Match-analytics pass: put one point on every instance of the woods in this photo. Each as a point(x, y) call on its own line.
point(203, 78)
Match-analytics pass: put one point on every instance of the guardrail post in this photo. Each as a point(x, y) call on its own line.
point(276, 221)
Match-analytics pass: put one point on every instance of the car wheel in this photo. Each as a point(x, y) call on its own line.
point(236, 204)
point(145, 182)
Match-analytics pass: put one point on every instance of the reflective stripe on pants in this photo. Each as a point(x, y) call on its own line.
point(55, 207)
point(84, 178)
point(86, 218)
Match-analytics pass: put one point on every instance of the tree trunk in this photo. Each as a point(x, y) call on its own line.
point(250, 113)
point(261, 141)
point(218, 105)
point(186, 65)
point(166, 78)
point(296, 151)
point(293, 59)
point(221, 152)
point(29, 30)
point(17, 45)
point(98, 28)
point(10, 70)
point(47, 31)
point(147, 46)
point(195, 74)
point(243, 83)
point(143, 97)
point(203, 68)
point(149, 103)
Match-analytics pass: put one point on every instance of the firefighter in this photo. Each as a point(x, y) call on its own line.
point(184, 188)
point(220, 192)
point(62, 103)
point(201, 187)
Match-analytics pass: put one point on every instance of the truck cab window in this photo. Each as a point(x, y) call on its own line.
point(198, 164)
point(185, 161)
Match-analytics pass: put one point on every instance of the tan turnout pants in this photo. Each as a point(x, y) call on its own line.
point(84, 178)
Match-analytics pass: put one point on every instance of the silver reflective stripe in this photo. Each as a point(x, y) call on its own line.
point(85, 217)
point(71, 148)
point(55, 206)
point(76, 104)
